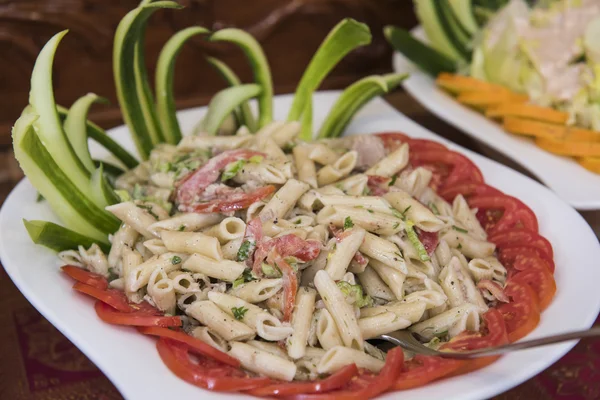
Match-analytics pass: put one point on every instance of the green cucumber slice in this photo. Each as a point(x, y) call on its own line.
point(58, 238)
point(463, 10)
point(429, 14)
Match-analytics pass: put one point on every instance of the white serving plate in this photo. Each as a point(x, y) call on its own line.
point(131, 362)
point(573, 183)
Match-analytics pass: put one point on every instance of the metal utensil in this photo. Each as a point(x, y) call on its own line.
point(408, 341)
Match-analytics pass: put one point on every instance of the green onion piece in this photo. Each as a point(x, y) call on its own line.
point(246, 276)
point(245, 249)
point(165, 70)
point(348, 223)
point(413, 238)
point(71, 205)
point(260, 68)
point(59, 238)
point(223, 104)
point(232, 169)
point(246, 117)
point(343, 38)
point(356, 292)
point(99, 136)
point(75, 127)
point(459, 229)
point(239, 312)
point(125, 48)
point(270, 271)
point(434, 208)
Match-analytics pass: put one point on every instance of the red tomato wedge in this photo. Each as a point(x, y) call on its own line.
point(365, 385)
point(500, 213)
point(195, 182)
point(420, 370)
point(114, 298)
point(333, 382)
point(468, 189)
point(87, 277)
point(509, 256)
point(520, 237)
point(540, 280)
point(290, 283)
point(233, 201)
point(286, 246)
point(522, 314)
point(429, 239)
point(195, 344)
point(205, 372)
point(448, 167)
point(135, 318)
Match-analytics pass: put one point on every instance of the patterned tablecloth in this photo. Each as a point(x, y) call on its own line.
point(38, 363)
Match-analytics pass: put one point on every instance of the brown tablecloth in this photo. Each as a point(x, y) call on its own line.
point(38, 363)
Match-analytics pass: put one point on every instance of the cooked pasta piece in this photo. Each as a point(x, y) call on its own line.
point(327, 331)
point(384, 251)
point(469, 246)
point(301, 318)
point(393, 278)
point(218, 321)
point(451, 322)
point(414, 182)
point(225, 270)
point(138, 277)
point(375, 222)
point(339, 259)
point(263, 362)
point(229, 229)
point(283, 200)
point(124, 237)
point(258, 290)
point(422, 217)
point(380, 324)
point(459, 286)
point(322, 154)
point(307, 172)
point(374, 285)
point(192, 242)
point(162, 292)
point(391, 164)
point(210, 338)
point(139, 216)
point(156, 246)
point(411, 310)
point(185, 223)
point(339, 356)
point(341, 168)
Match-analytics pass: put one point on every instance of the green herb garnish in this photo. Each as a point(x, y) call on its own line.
point(181, 228)
point(434, 208)
point(232, 169)
point(355, 292)
point(245, 249)
point(393, 181)
point(458, 229)
point(239, 312)
point(348, 223)
point(148, 209)
point(246, 276)
point(176, 260)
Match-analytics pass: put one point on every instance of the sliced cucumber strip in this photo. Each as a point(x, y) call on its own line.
point(463, 9)
point(343, 38)
point(165, 70)
point(306, 129)
point(109, 168)
point(223, 104)
point(58, 238)
point(246, 116)
point(428, 13)
point(426, 58)
point(101, 190)
point(75, 127)
point(260, 68)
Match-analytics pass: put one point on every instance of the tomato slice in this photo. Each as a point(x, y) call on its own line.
point(448, 167)
point(540, 280)
point(205, 372)
point(195, 344)
point(87, 277)
point(135, 318)
point(233, 201)
point(521, 237)
point(333, 382)
point(522, 315)
point(502, 212)
point(195, 182)
point(420, 370)
point(468, 189)
point(287, 246)
point(290, 283)
point(365, 385)
point(509, 255)
point(114, 298)
point(429, 239)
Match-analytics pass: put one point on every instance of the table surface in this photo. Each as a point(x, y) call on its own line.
point(41, 364)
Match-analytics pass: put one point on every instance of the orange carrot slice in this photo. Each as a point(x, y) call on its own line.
point(569, 148)
point(528, 111)
point(459, 84)
point(487, 99)
point(590, 163)
point(539, 129)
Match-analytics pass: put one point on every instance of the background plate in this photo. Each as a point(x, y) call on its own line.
point(131, 362)
point(573, 183)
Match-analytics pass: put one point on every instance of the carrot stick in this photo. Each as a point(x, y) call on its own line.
point(539, 129)
point(529, 111)
point(569, 148)
point(459, 84)
point(590, 163)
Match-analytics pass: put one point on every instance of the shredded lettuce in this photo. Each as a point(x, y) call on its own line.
point(355, 294)
point(413, 238)
point(232, 169)
point(270, 271)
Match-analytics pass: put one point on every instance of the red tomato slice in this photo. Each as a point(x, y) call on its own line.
point(205, 372)
point(333, 382)
point(286, 246)
point(540, 280)
point(420, 370)
point(290, 283)
point(135, 318)
point(468, 189)
point(448, 167)
point(429, 239)
point(87, 277)
point(521, 237)
point(365, 385)
point(195, 344)
point(500, 213)
point(114, 298)
point(522, 315)
point(493, 333)
point(509, 255)
point(378, 185)
point(195, 182)
point(232, 201)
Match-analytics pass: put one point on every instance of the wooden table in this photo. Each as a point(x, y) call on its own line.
point(39, 363)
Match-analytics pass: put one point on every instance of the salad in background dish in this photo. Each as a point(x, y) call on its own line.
point(535, 68)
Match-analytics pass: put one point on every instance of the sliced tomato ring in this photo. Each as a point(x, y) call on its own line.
point(502, 212)
point(232, 202)
point(365, 385)
point(205, 372)
point(135, 318)
point(420, 370)
point(513, 237)
point(87, 277)
point(468, 189)
point(522, 314)
point(333, 382)
point(509, 255)
point(196, 344)
point(448, 167)
point(540, 280)
point(114, 298)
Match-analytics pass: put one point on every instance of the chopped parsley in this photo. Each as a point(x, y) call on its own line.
point(393, 180)
point(396, 213)
point(459, 246)
point(176, 260)
point(245, 249)
point(405, 211)
point(348, 223)
point(370, 211)
point(396, 225)
point(181, 228)
point(458, 229)
point(239, 312)
point(246, 276)
point(298, 221)
point(232, 169)
point(148, 209)
point(434, 208)
point(40, 198)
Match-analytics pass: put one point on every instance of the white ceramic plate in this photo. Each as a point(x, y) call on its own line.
point(131, 362)
point(573, 183)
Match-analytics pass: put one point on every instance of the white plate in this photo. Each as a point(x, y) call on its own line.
point(573, 183)
point(131, 362)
